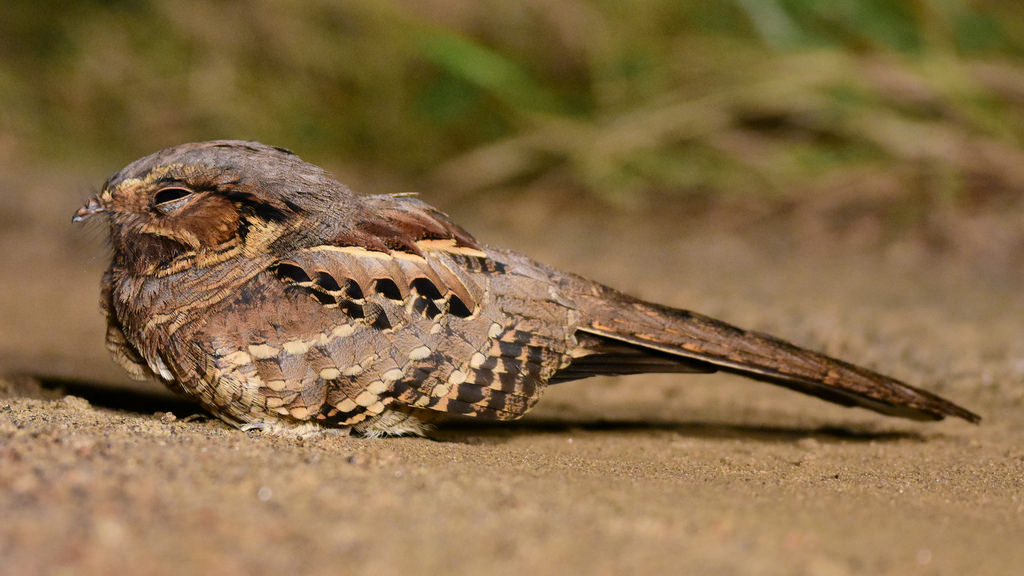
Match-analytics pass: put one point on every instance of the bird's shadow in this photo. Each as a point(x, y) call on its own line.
point(141, 401)
point(477, 430)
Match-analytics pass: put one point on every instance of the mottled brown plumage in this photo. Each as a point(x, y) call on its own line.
point(256, 284)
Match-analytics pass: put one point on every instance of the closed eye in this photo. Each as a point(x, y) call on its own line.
point(168, 200)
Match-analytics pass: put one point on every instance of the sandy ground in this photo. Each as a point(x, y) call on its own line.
point(664, 474)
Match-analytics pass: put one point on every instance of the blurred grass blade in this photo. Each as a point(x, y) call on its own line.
point(486, 69)
point(772, 23)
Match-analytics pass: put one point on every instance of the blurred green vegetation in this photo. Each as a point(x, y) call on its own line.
point(738, 97)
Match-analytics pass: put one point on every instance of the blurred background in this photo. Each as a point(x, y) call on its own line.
point(782, 127)
point(846, 174)
point(776, 98)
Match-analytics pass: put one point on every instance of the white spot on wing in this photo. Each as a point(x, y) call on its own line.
point(263, 351)
point(450, 247)
point(158, 367)
point(393, 375)
point(495, 330)
point(419, 353)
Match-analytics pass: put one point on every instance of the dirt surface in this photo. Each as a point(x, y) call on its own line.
point(666, 474)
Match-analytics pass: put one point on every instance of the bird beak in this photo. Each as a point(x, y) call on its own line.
point(91, 207)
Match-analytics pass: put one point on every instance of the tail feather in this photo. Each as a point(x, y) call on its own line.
point(600, 356)
point(646, 337)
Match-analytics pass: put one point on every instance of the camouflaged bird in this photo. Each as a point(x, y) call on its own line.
point(277, 298)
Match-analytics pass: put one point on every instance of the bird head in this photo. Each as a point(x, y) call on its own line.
point(205, 197)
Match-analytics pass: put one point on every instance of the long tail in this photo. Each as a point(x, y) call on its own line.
point(623, 335)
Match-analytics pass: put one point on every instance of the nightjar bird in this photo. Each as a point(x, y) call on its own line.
point(258, 285)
